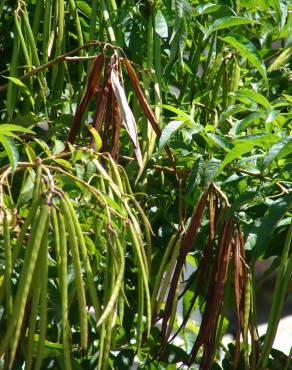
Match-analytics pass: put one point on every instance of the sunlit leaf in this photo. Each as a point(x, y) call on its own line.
point(169, 131)
point(283, 58)
point(161, 27)
point(248, 51)
point(235, 153)
point(227, 22)
point(11, 150)
point(275, 150)
point(97, 138)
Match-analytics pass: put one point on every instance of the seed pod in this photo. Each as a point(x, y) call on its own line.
point(8, 263)
point(33, 317)
point(64, 290)
point(78, 274)
point(43, 299)
point(85, 258)
point(31, 254)
point(247, 301)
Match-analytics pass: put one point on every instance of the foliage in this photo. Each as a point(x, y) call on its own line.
point(87, 166)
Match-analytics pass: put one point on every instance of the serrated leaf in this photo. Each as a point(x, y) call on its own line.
point(161, 27)
point(11, 151)
point(168, 132)
point(276, 149)
point(248, 51)
point(227, 22)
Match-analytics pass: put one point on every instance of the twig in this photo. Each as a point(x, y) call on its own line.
point(222, 195)
point(52, 62)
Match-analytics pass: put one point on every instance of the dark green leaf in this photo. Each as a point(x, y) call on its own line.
point(275, 150)
point(268, 223)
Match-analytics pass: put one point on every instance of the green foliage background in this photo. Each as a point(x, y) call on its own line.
point(218, 77)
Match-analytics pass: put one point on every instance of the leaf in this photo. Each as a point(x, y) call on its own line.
point(161, 27)
point(235, 153)
point(97, 138)
point(211, 8)
point(11, 151)
point(179, 112)
point(20, 84)
point(183, 7)
point(4, 128)
point(17, 82)
point(209, 170)
point(276, 149)
point(227, 22)
point(220, 141)
point(268, 223)
point(246, 122)
point(255, 96)
point(128, 118)
point(84, 8)
point(58, 147)
point(172, 354)
point(124, 359)
point(248, 51)
point(169, 131)
point(281, 59)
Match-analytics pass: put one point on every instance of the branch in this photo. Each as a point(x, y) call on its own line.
point(57, 60)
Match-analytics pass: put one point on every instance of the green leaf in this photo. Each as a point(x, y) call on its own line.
point(124, 359)
point(248, 51)
point(276, 149)
point(20, 84)
point(97, 138)
point(227, 22)
point(4, 128)
point(246, 122)
point(220, 141)
point(209, 170)
point(161, 27)
point(59, 147)
point(235, 153)
point(255, 96)
point(84, 8)
point(11, 150)
point(268, 223)
point(17, 82)
point(172, 354)
point(168, 132)
point(179, 112)
point(211, 8)
point(281, 59)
